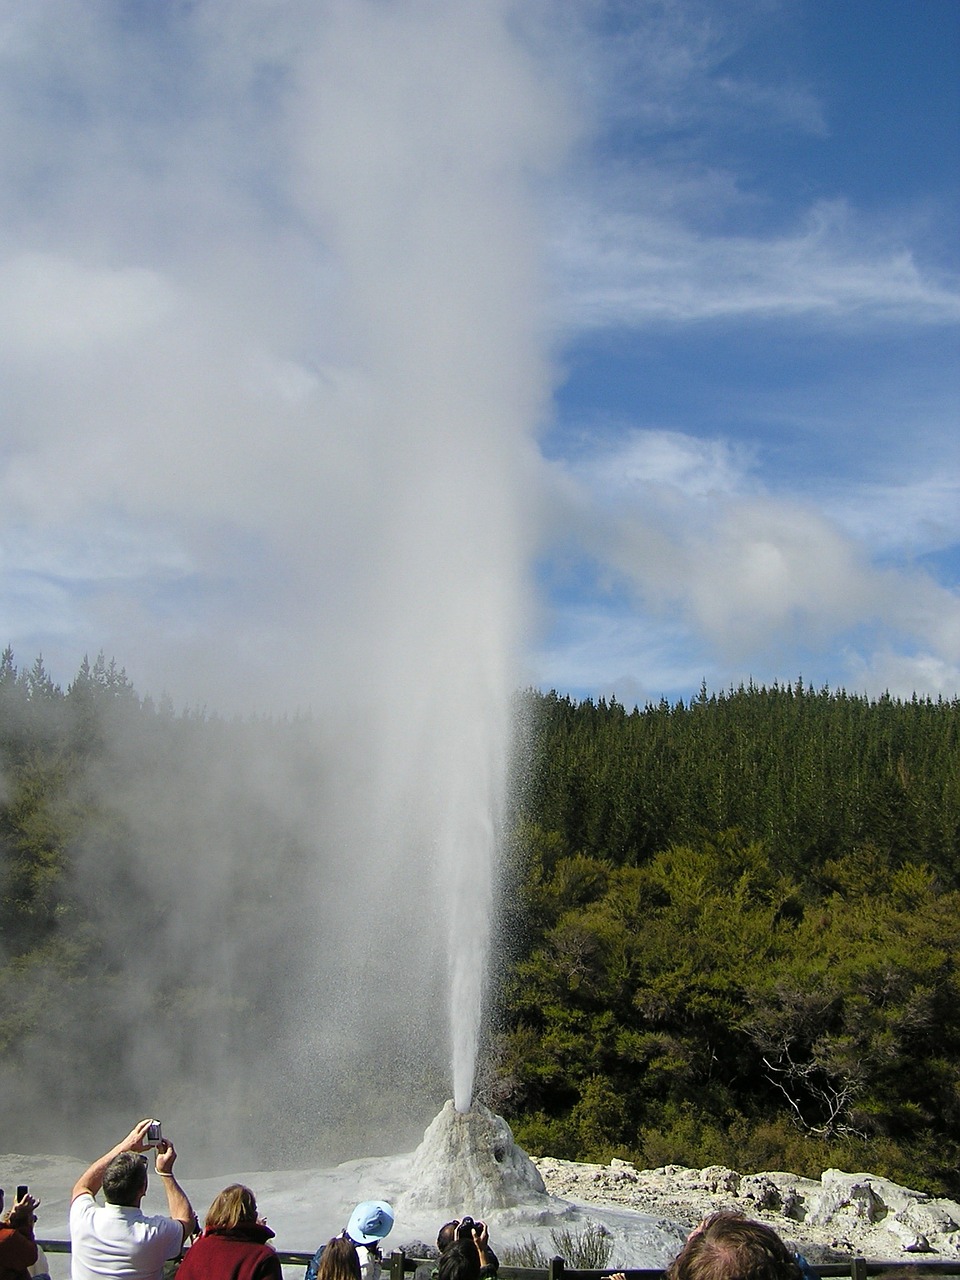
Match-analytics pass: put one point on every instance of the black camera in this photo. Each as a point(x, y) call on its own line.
point(468, 1228)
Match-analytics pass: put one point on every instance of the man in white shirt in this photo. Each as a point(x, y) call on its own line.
point(117, 1240)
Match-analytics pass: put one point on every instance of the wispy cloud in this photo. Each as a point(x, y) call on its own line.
point(635, 269)
point(660, 69)
point(665, 220)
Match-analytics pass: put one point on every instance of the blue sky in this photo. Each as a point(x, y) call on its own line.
point(686, 275)
point(759, 405)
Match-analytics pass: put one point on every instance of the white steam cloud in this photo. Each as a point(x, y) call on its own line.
point(269, 338)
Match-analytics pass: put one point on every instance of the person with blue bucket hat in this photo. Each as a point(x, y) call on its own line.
point(370, 1221)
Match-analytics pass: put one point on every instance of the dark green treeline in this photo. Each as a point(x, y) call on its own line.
point(736, 934)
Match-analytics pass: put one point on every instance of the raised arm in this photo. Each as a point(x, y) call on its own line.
point(481, 1238)
point(178, 1204)
point(91, 1180)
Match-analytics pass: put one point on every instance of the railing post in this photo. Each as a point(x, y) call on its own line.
point(397, 1264)
point(555, 1269)
point(858, 1269)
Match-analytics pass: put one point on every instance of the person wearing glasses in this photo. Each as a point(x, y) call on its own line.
point(117, 1239)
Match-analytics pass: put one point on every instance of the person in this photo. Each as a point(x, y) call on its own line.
point(118, 1239)
point(728, 1246)
point(369, 1223)
point(340, 1260)
point(18, 1249)
point(234, 1242)
point(472, 1232)
point(459, 1261)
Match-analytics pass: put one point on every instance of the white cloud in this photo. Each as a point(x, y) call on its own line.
point(617, 267)
point(671, 214)
point(234, 314)
point(54, 305)
point(665, 68)
point(902, 675)
point(610, 652)
point(915, 517)
point(789, 104)
point(684, 529)
point(665, 462)
point(766, 568)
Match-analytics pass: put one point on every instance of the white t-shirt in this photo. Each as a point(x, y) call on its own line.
point(117, 1240)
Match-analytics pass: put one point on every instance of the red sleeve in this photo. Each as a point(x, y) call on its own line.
point(16, 1250)
point(269, 1268)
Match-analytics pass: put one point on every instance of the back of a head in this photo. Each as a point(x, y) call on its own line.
point(339, 1260)
point(125, 1179)
point(459, 1261)
point(234, 1205)
point(728, 1246)
point(446, 1235)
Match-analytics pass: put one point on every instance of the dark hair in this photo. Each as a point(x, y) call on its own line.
point(125, 1179)
point(728, 1246)
point(339, 1260)
point(447, 1234)
point(459, 1261)
point(234, 1205)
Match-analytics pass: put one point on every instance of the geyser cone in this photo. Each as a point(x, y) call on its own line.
point(468, 1162)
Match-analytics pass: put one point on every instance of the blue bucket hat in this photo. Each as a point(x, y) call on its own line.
point(371, 1220)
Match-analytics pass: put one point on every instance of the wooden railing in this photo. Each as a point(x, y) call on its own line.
point(399, 1266)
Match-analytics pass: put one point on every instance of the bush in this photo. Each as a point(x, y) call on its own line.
point(585, 1250)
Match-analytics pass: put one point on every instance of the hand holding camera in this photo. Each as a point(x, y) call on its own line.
point(22, 1215)
point(468, 1229)
point(138, 1139)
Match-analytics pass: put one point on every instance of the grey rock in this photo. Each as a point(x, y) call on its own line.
point(931, 1217)
point(717, 1177)
point(909, 1239)
point(761, 1190)
point(847, 1196)
point(893, 1197)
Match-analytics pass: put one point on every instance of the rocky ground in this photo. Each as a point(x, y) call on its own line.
point(645, 1212)
point(837, 1216)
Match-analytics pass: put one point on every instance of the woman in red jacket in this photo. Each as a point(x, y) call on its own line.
point(234, 1242)
point(18, 1249)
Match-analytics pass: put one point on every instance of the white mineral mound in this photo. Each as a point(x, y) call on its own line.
point(468, 1162)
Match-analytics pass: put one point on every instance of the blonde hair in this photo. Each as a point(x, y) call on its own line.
point(234, 1205)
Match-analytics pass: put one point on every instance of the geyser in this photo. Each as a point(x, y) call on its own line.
point(439, 301)
point(306, 339)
